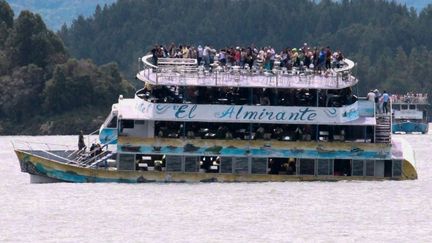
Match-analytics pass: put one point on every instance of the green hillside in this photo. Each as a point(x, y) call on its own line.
point(44, 90)
point(390, 43)
point(55, 13)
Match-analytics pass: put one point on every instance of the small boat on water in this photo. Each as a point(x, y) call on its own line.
point(230, 123)
point(410, 113)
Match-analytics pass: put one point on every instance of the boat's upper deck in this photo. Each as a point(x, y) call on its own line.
point(410, 99)
point(187, 72)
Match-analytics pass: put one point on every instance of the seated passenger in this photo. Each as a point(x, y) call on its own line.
point(92, 150)
point(220, 133)
point(260, 133)
point(278, 133)
point(275, 167)
point(264, 100)
point(190, 134)
point(291, 170)
point(160, 133)
point(298, 133)
point(228, 135)
point(158, 165)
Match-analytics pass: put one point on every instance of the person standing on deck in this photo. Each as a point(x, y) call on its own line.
point(200, 54)
point(371, 96)
point(81, 144)
point(386, 99)
point(377, 103)
point(154, 52)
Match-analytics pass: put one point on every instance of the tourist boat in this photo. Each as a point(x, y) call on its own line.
point(410, 113)
point(232, 124)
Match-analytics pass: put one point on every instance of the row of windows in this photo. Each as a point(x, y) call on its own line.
point(248, 165)
point(407, 107)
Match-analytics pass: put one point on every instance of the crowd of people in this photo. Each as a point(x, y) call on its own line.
point(245, 131)
point(265, 58)
point(383, 100)
point(410, 97)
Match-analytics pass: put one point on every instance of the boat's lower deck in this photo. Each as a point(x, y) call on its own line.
point(158, 168)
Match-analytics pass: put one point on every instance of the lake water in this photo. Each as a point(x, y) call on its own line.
point(389, 211)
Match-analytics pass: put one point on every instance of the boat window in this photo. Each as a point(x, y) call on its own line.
point(191, 163)
point(282, 166)
point(140, 122)
point(127, 123)
point(143, 162)
point(173, 163)
point(113, 122)
point(126, 162)
point(342, 167)
point(325, 167)
point(412, 107)
point(226, 164)
point(379, 168)
point(241, 165)
point(397, 167)
point(259, 165)
point(357, 167)
point(210, 164)
point(387, 168)
point(404, 107)
point(149, 162)
point(370, 167)
point(307, 167)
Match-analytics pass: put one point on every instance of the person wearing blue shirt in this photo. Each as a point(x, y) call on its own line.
point(386, 99)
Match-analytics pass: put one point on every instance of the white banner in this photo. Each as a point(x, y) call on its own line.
point(243, 113)
point(408, 114)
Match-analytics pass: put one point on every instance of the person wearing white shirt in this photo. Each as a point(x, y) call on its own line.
point(371, 96)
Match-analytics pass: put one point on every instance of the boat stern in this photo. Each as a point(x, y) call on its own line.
point(408, 171)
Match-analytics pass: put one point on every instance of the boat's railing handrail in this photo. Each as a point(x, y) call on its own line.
point(179, 73)
point(177, 61)
point(416, 102)
point(19, 144)
point(89, 160)
point(44, 147)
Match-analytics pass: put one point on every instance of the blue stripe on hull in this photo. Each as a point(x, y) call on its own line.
point(69, 176)
point(410, 127)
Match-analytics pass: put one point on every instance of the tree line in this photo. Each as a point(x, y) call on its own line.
point(43, 89)
point(390, 43)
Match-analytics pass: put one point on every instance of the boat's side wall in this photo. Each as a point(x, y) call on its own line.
point(410, 127)
point(43, 167)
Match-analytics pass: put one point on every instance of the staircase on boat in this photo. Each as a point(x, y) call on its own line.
point(383, 128)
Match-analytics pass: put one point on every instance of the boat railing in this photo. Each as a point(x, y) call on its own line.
point(185, 71)
point(28, 145)
point(102, 157)
point(46, 148)
point(410, 102)
point(88, 162)
point(97, 154)
point(79, 152)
